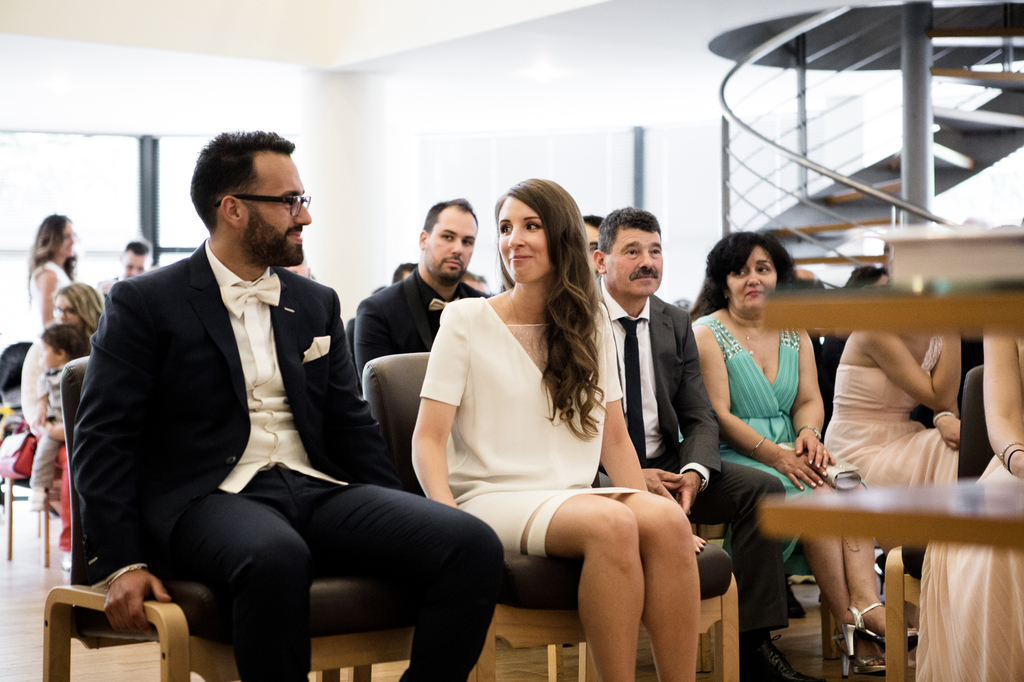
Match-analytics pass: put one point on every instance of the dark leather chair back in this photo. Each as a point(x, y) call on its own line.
point(975, 449)
point(70, 395)
point(391, 385)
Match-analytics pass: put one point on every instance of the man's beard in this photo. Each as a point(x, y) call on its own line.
point(265, 246)
point(444, 276)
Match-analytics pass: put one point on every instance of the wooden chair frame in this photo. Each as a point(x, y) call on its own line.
point(180, 652)
point(522, 628)
point(900, 588)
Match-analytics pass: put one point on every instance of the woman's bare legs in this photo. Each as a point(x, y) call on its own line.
point(672, 587)
point(844, 569)
point(604, 534)
point(638, 559)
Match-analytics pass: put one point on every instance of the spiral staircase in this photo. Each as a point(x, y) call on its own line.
point(815, 115)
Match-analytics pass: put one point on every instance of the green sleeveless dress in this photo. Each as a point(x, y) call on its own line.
point(764, 406)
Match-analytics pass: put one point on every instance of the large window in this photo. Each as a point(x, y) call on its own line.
point(179, 226)
point(93, 179)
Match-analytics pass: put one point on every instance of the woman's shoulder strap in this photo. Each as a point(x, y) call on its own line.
point(726, 341)
point(790, 337)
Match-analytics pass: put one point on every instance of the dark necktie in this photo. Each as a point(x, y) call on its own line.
point(634, 399)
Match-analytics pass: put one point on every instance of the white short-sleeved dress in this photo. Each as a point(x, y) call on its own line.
point(508, 463)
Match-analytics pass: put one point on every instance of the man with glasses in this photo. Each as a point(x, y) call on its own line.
point(220, 438)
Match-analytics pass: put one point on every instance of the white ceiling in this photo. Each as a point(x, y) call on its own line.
point(617, 63)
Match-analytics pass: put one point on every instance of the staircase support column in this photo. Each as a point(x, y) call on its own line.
point(801, 111)
point(918, 164)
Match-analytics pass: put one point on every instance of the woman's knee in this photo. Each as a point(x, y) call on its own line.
point(663, 522)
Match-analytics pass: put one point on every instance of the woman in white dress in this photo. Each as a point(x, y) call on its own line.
point(51, 264)
point(525, 384)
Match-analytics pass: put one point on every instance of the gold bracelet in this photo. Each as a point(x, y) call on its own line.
point(751, 455)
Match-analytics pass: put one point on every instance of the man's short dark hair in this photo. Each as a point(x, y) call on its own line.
point(593, 220)
point(68, 339)
point(402, 270)
point(866, 275)
point(435, 212)
point(225, 165)
point(629, 217)
point(139, 248)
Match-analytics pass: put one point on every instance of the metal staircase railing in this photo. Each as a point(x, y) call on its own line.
point(767, 175)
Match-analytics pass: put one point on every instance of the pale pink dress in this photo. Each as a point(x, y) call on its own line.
point(871, 428)
point(972, 605)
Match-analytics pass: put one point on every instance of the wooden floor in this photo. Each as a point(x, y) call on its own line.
point(24, 584)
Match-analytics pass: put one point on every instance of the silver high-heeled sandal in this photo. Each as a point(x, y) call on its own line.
point(858, 624)
point(862, 665)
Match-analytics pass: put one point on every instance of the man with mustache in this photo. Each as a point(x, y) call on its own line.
point(675, 432)
point(405, 317)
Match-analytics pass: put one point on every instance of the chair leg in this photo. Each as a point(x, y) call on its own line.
point(555, 659)
point(829, 649)
point(57, 643)
point(172, 631)
point(727, 638)
point(46, 533)
point(588, 673)
point(895, 594)
point(8, 509)
point(705, 659)
point(486, 665)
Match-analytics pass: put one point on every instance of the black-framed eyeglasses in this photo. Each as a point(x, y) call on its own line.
point(64, 311)
point(295, 203)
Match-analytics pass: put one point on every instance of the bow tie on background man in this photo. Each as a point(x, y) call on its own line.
point(438, 304)
point(266, 289)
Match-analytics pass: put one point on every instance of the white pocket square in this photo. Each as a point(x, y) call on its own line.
point(321, 346)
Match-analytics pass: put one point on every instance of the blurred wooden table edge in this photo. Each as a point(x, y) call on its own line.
point(991, 514)
point(969, 311)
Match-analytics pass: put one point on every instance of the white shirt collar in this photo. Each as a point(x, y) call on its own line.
point(616, 311)
point(224, 276)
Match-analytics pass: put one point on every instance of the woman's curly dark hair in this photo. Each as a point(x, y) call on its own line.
point(728, 256)
point(573, 368)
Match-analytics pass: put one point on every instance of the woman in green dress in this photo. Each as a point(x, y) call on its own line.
point(763, 385)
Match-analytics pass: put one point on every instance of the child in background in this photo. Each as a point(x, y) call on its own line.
point(61, 344)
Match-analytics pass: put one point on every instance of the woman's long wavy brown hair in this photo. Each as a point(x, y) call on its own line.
point(49, 239)
point(573, 370)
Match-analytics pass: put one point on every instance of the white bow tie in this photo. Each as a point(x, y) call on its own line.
point(266, 289)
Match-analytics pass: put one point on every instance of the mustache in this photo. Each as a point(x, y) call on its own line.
point(644, 272)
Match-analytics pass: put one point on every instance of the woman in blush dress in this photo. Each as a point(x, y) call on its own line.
point(526, 386)
point(763, 386)
point(972, 597)
point(881, 378)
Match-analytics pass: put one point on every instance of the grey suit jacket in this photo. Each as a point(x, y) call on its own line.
point(683, 404)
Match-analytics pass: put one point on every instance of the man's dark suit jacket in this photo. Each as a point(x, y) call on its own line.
point(394, 321)
point(164, 416)
point(683, 402)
